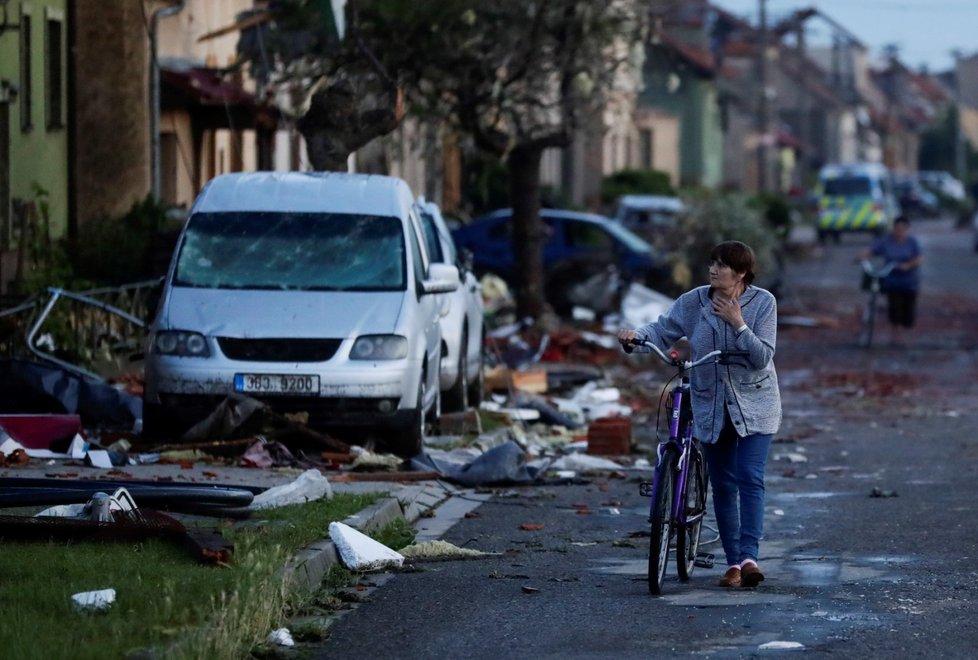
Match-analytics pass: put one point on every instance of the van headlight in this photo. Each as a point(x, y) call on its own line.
point(180, 343)
point(379, 347)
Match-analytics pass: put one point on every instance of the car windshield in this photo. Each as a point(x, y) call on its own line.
point(848, 186)
point(631, 241)
point(293, 251)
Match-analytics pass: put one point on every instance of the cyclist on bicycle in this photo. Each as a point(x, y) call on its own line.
point(736, 406)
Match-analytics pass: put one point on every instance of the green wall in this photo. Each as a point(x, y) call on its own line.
point(38, 155)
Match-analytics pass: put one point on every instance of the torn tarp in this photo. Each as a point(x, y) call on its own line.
point(28, 387)
point(505, 463)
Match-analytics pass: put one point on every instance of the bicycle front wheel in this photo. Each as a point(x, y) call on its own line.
point(661, 519)
point(694, 501)
point(869, 320)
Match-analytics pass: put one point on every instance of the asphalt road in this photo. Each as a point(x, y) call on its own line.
point(870, 541)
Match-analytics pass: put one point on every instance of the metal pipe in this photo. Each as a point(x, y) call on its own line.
point(154, 100)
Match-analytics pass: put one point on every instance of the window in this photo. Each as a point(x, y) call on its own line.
point(645, 148)
point(54, 80)
point(431, 238)
point(420, 268)
point(587, 235)
point(26, 102)
point(848, 186)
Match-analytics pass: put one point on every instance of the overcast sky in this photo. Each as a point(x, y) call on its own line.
point(926, 31)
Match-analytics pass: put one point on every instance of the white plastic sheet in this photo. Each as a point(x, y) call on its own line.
point(359, 552)
point(308, 486)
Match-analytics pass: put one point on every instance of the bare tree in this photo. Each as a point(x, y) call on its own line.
point(519, 77)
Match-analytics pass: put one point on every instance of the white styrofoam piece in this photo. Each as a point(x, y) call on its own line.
point(94, 601)
point(359, 552)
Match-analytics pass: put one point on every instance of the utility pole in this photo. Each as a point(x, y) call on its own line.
point(804, 108)
point(762, 108)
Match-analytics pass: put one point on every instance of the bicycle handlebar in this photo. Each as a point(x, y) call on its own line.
point(870, 269)
point(673, 357)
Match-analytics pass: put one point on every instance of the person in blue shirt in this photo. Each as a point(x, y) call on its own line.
point(903, 282)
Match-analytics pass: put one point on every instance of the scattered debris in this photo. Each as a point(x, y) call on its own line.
point(531, 527)
point(434, 550)
point(93, 601)
point(308, 486)
point(530, 590)
point(281, 637)
point(781, 646)
point(879, 492)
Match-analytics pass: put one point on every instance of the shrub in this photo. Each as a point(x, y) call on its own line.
point(714, 217)
point(113, 251)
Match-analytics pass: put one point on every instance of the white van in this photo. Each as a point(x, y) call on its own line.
point(311, 292)
point(855, 197)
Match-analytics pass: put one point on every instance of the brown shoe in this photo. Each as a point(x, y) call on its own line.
point(731, 578)
point(750, 576)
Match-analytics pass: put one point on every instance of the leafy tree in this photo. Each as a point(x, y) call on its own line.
point(517, 77)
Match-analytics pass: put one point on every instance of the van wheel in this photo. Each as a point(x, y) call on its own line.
point(158, 423)
point(410, 440)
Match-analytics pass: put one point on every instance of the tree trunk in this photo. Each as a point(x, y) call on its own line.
point(529, 233)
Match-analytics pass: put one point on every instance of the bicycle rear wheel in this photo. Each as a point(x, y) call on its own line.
point(661, 520)
point(694, 501)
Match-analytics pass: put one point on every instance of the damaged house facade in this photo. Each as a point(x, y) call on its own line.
point(35, 126)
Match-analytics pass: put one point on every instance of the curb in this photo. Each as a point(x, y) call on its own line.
point(308, 567)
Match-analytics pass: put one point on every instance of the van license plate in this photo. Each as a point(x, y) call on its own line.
point(276, 384)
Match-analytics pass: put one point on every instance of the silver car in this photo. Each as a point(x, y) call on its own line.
point(312, 292)
point(463, 320)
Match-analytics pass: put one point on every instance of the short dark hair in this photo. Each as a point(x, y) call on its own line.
point(901, 220)
point(738, 256)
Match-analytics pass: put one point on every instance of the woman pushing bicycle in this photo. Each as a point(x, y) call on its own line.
point(902, 282)
point(736, 406)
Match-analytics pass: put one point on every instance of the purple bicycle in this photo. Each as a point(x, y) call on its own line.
point(679, 484)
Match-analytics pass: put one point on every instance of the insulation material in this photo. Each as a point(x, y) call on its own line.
point(359, 552)
point(439, 550)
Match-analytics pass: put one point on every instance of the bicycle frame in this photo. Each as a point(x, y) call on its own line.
point(873, 278)
point(683, 444)
point(680, 437)
point(678, 490)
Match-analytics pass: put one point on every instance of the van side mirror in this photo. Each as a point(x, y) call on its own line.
point(442, 278)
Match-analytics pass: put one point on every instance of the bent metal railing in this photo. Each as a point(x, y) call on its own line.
point(93, 333)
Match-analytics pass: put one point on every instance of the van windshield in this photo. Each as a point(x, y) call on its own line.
point(849, 186)
point(292, 251)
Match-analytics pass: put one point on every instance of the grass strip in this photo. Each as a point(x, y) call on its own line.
point(167, 605)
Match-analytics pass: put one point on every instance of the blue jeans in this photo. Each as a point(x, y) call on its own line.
point(736, 467)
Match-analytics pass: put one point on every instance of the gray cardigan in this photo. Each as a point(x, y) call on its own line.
point(748, 385)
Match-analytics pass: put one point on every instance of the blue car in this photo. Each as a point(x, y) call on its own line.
point(580, 244)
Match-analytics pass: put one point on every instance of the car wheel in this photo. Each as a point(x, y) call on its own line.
point(478, 387)
point(410, 440)
point(457, 398)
